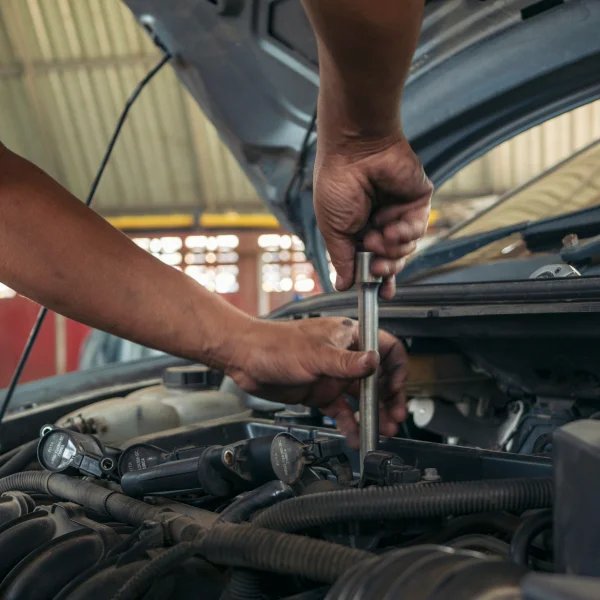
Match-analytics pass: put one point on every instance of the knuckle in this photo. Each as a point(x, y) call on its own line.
point(245, 382)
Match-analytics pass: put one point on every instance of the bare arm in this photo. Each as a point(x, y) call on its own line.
point(365, 51)
point(61, 254)
point(365, 167)
point(58, 252)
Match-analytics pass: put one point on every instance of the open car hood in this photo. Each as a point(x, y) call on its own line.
point(483, 72)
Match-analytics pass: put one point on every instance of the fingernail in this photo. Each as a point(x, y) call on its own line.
point(339, 283)
point(370, 359)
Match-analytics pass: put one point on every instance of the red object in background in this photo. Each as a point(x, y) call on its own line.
point(17, 316)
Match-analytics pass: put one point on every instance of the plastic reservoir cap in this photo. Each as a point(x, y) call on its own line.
point(287, 457)
point(191, 377)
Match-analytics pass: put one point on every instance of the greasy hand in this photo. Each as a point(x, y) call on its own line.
point(314, 362)
point(382, 179)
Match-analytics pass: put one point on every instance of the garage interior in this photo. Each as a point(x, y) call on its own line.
point(330, 328)
point(66, 69)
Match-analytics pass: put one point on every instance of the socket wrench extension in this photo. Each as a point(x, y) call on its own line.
point(368, 321)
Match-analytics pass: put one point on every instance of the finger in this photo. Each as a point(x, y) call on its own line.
point(342, 331)
point(341, 250)
point(398, 251)
point(402, 211)
point(384, 268)
point(392, 400)
point(374, 242)
point(345, 364)
point(387, 426)
point(388, 288)
point(394, 360)
point(390, 414)
point(404, 231)
point(383, 385)
point(396, 407)
point(344, 419)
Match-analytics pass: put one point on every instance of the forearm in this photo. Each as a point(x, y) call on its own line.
point(61, 254)
point(365, 52)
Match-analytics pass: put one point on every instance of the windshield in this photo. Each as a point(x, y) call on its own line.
point(571, 186)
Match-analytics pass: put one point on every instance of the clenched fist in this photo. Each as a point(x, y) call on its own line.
point(374, 192)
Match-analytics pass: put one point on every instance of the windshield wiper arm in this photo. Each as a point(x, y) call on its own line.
point(448, 251)
point(539, 236)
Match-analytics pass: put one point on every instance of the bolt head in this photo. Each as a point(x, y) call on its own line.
point(431, 474)
point(228, 457)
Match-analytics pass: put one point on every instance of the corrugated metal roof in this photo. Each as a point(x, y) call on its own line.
point(516, 161)
point(67, 67)
point(572, 185)
point(66, 70)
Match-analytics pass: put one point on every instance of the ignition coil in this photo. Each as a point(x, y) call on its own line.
point(291, 457)
point(71, 452)
point(219, 471)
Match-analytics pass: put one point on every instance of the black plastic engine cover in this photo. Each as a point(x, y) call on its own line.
point(43, 573)
point(42, 552)
point(576, 449)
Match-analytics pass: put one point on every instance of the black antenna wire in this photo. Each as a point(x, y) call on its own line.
point(35, 330)
point(299, 172)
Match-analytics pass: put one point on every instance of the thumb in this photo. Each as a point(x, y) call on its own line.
point(348, 364)
point(341, 250)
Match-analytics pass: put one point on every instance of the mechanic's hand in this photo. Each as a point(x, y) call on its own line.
point(314, 362)
point(376, 190)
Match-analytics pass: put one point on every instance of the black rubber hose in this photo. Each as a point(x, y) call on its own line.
point(250, 502)
point(157, 567)
point(245, 546)
point(502, 523)
point(481, 543)
point(21, 459)
point(246, 584)
point(4, 458)
point(407, 502)
point(316, 594)
point(120, 507)
point(250, 547)
point(29, 481)
point(526, 533)
point(101, 500)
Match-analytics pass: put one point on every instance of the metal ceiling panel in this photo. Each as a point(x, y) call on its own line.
point(516, 161)
point(66, 70)
point(67, 67)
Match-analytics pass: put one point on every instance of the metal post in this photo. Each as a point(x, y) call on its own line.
point(368, 319)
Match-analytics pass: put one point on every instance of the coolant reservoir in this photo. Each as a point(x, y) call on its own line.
point(186, 396)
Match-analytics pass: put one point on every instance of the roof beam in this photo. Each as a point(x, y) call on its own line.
point(14, 22)
point(72, 64)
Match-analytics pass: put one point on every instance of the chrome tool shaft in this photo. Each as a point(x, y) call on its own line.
point(368, 320)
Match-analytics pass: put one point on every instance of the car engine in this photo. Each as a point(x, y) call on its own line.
point(248, 504)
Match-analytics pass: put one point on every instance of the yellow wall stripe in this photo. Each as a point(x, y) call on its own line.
point(138, 222)
point(434, 215)
point(183, 221)
point(237, 220)
point(206, 220)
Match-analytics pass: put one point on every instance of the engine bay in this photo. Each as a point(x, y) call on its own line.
point(143, 482)
point(267, 502)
